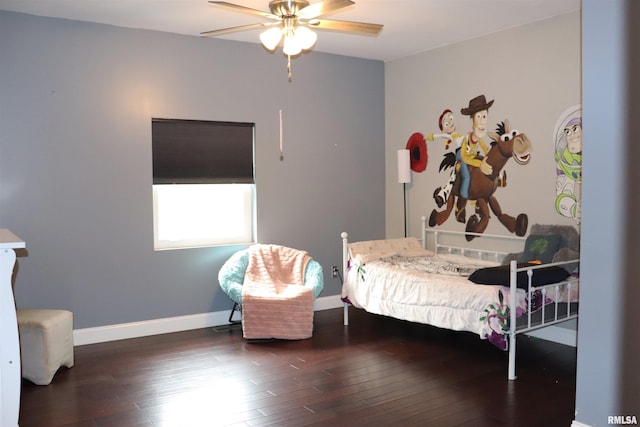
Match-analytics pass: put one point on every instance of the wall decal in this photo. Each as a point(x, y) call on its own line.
point(447, 125)
point(477, 170)
point(568, 156)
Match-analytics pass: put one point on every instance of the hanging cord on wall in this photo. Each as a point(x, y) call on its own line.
point(281, 140)
point(289, 67)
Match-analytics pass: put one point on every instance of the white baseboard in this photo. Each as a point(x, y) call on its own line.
point(327, 303)
point(557, 334)
point(172, 324)
point(579, 424)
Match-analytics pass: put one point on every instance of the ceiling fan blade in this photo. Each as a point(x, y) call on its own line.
point(322, 8)
point(350, 26)
point(221, 31)
point(245, 9)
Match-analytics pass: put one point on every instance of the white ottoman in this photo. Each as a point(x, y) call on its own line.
point(46, 343)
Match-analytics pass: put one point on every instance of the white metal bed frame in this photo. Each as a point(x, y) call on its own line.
point(568, 285)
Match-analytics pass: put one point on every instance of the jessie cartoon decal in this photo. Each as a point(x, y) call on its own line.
point(447, 125)
point(417, 146)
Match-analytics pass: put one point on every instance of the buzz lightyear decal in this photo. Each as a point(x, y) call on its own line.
point(568, 157)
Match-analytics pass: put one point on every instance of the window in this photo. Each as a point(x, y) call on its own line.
point(203, 183)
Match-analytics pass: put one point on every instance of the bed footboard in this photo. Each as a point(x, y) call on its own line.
point(552, 303)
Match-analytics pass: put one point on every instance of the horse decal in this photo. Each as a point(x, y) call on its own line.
point(507, 144)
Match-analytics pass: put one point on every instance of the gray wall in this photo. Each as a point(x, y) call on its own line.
point(608, 374)
point(601, 281)
point(76, 102)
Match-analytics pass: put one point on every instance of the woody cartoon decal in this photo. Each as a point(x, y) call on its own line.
point(476, 169)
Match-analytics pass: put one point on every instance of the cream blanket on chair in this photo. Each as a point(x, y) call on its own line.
point(275, 302)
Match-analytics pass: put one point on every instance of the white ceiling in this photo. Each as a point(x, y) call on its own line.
point(410, 26)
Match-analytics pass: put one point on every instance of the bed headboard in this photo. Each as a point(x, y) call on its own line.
point(489, 247)
point(482, 246)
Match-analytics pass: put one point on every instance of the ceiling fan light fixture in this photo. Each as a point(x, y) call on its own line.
point(306, 37)
point(270, 38)
point(294, 21)
point(292, 45)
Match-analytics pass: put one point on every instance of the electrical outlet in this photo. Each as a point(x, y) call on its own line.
point(334, 271)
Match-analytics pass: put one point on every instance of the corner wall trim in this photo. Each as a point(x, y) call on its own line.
point(171, 324)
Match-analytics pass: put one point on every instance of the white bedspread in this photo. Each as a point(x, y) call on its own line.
point(427, 289)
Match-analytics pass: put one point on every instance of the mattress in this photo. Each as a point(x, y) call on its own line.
point(432, 289)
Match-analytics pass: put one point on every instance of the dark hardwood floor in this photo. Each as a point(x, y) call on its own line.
point(376, 372)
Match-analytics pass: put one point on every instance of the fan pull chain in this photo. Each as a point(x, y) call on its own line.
point(289, 67)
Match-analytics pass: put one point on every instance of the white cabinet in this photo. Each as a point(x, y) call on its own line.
point(10, 380)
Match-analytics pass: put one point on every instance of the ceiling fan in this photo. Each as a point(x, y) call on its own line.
point(292, 21)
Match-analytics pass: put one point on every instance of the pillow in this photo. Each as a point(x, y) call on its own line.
point(363, 258)
point(500, 276)
point(408, 246)
point(566, 254)
point(541, 247)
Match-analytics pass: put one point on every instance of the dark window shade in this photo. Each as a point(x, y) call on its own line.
point(201, 152)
